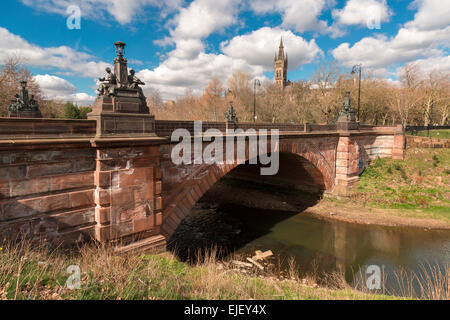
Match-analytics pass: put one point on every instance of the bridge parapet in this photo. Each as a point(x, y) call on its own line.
point(38, 128)
point(164, 128)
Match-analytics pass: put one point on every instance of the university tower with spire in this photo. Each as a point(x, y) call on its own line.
point(280, 67)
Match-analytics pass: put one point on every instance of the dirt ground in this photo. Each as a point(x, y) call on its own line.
point(324, 208)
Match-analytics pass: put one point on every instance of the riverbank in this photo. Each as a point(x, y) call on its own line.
point(419, 186)
point(347, 210)
point(38, 273)
point(342, 210)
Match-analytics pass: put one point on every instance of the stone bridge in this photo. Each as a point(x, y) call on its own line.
point(62, 182)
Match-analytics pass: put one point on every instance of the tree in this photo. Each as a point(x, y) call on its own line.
point(52, 108)
point(71, 111)
point(154, 102)
point(241, 88)
point(212, 100)
point(442, 104)
point(84, 111)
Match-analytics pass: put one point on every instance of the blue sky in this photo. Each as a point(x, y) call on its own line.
point(174, 44)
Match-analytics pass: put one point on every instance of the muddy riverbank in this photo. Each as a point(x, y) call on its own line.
point(319, 206)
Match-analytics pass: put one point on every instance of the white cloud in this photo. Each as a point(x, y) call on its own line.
point(123, 11)
point(396, 83)
point(407, 45)
point(174, 75)
point(196, 22)
point(300, 15)
point(82, 99)
point(362, 12)
point(258, 47)
point(60, 89)
point(63, 58)
point(426, 38)
point(188, 65)
point(431, 14)
point(203, 17)
point(188, 48)
point(435, 64)
point(53, 86)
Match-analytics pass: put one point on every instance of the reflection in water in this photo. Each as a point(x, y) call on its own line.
point(316, 244)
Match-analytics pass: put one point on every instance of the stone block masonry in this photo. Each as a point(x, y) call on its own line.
point(128, 192)
point(63, 183)
point(47, 193)
point(426, 142)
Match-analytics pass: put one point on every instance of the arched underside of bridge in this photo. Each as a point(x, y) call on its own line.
point(295, 170)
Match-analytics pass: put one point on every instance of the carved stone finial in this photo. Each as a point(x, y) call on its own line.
point(22, 105)
point(119, 90)
point(347, 120)
point(230, 114)
point(347, 107)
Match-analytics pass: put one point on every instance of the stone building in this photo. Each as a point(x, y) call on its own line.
point(280, 67)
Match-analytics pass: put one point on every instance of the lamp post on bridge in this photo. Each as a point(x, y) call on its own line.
point(256, 83)
point(357, 69)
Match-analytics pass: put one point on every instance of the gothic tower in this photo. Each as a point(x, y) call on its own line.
point(280, 67)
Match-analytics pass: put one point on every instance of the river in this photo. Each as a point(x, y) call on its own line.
point(321, 247)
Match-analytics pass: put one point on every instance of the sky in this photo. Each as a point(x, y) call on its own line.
point(175, 45)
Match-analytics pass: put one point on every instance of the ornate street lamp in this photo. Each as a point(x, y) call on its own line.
point(256, 83)
point(357, 69)
point(230, 114)
point(120, 48)
point(23, 84)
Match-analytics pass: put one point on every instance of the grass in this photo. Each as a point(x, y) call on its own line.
point(419, 185)
point(28, 273)
point(443, 134)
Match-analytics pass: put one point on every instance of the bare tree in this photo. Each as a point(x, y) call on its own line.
point(212, 100)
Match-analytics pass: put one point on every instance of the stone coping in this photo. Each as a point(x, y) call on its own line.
point(44, 131)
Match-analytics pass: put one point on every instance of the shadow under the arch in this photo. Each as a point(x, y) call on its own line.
point(233, 214)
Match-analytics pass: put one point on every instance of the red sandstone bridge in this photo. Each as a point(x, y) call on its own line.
point(62, 182)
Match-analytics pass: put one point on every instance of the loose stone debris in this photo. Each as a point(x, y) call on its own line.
point(259, 256)
point(255, 263)
point(243, 264)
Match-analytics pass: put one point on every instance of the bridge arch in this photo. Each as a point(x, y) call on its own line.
point(319, 159)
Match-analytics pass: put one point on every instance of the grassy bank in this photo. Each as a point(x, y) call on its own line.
point(27, 273)
point(419, 185)
point(443, 134)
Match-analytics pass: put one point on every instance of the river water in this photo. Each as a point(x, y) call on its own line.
point(322, 246)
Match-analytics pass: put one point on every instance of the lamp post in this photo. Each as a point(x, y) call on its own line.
point(120, 48)
point(256, 83)
point(357, 69)
point(120, 65)
point(230, 114)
